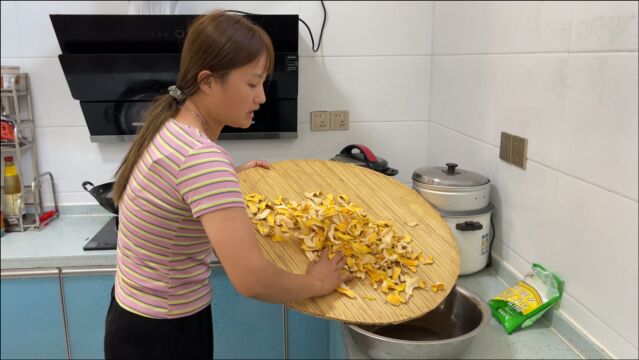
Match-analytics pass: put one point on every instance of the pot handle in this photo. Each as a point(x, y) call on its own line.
point(84, 186)
point(469, 226)
point(368, 154)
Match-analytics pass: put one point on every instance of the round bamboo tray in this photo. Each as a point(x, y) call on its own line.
point(383, 198)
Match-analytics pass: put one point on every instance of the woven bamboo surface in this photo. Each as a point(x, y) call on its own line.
point(383, 198)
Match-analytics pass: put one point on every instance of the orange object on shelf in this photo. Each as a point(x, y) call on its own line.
point(7, 131)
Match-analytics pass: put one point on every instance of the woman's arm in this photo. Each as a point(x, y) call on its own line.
point(233, 237)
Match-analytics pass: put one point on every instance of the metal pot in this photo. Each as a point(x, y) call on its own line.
point(452, 189)
point(103, 194)
point(444, 332)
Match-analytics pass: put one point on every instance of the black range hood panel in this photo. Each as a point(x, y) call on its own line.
point(141, 34)
point(116, 64)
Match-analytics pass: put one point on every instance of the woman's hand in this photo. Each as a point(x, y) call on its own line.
point(328, 273)
point(251, 164)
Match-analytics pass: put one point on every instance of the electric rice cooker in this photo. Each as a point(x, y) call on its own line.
point(463, 199)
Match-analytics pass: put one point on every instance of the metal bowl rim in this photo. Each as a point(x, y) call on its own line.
point(469, 294)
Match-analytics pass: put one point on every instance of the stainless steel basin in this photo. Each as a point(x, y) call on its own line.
point(445, 332)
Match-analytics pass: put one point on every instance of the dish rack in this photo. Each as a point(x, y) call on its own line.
point(17, 109)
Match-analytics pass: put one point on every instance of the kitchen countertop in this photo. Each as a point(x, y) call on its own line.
point(60, 245)
point(57, 245)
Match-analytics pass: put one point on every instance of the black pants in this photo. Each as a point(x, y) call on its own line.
point(131, 336)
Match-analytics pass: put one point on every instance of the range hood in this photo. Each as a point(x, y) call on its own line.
point(116, 64)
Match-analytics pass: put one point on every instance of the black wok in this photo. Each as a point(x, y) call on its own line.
point(103, 194)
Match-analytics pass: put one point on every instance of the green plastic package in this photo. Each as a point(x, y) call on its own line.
point(521, 305)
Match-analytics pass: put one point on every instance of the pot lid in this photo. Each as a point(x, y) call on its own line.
point(449, 176)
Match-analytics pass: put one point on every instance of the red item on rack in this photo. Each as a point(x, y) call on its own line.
point(47, 215)
point(7, 134)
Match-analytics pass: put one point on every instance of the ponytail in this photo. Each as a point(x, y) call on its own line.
point(160, 110)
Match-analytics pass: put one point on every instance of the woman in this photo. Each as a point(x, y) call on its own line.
point(179, 197)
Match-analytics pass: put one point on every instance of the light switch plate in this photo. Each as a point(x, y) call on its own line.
point(519, 151)
point(505, 146)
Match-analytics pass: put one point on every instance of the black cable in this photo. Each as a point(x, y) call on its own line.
point(302, 21)
point(321, 31)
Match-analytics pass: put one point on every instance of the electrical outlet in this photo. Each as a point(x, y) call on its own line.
point(519, 151)
point(505, 146)
point(320, 121)
point(339, 120)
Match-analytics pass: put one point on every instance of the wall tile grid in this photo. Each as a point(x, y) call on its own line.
point(359, 68)
point(564, 76)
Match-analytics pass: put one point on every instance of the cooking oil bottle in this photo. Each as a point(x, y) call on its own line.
point(12, 195)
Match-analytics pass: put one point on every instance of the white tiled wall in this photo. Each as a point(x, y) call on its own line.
point(371, 28)
point(372, 88)
point(494, 27)
point(374, 65)
point(563, 75)
point(520, 94)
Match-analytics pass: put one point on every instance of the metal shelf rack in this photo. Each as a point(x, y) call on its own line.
point(34, 216)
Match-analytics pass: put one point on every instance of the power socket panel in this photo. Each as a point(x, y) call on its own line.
point(320, 121)
point(339, 120)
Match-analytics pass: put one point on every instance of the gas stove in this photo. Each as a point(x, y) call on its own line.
point(106, 238)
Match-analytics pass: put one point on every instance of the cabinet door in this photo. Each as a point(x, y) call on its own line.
point(87, 300)
point(244, 328)
point(32, 324)
point(308, 336)
point(336, 340)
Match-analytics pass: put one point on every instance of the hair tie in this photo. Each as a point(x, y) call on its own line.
point(176, 93)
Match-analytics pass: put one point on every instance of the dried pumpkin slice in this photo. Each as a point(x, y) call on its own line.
point(395, 298)
point(344, 289)
point(437, 287)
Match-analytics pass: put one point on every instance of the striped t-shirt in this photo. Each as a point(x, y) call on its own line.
point(163, 252)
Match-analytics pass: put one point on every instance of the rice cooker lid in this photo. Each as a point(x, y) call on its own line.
point(449, 176)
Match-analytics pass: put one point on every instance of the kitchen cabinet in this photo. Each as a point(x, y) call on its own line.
point(308, 336)
point(32, 319)
point(87, 294)
point(336, 348)
point(244, 328)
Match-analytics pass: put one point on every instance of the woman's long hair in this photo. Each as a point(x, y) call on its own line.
point(218, 42)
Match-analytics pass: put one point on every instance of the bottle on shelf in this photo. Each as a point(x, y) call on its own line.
point(12, 195)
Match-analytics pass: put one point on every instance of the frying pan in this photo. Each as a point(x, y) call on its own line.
point(103, 194)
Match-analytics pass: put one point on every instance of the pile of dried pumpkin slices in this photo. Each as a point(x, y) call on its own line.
point(372, 248)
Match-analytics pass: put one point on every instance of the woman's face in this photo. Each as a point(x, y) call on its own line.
point(234, 100)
